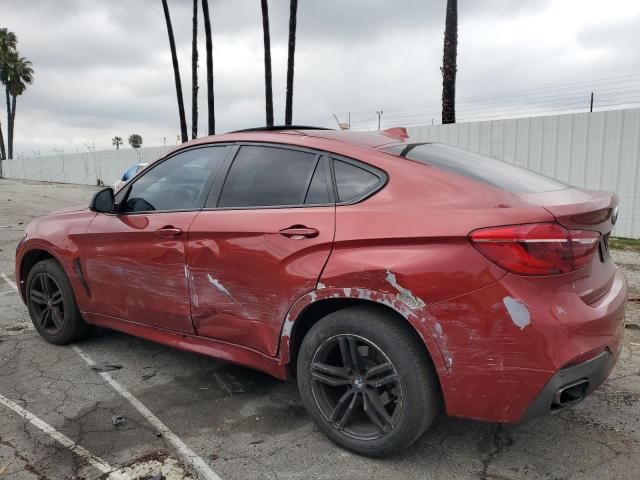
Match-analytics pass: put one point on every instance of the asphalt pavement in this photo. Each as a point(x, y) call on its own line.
point(190, 416)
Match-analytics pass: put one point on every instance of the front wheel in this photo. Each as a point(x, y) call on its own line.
point(52, 305)
point(366, 381)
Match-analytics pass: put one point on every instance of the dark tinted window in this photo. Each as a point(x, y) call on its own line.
point(267, 176)
point(478, 167)
point(353, 181)
point(176, 183)
point(318, 192)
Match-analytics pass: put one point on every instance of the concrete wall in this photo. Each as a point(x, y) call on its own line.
point(83, 168)
point(599, 151)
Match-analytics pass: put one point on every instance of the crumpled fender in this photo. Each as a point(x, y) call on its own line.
point(411, 308)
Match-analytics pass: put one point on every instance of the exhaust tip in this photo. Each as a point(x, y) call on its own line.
point(569, 394)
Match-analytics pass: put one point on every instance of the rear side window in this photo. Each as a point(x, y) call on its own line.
point(267, 176)
point(353, 182)
point(496, 173)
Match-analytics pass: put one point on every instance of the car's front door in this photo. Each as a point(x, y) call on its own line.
point(260, 245)
point(134, 261)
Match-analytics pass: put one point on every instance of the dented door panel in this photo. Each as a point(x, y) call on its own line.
point(245, 275)
point(139, 273)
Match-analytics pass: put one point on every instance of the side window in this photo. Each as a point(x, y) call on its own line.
point(318, 192)
point(176, 183)
point(353, 181)
point(267, 176)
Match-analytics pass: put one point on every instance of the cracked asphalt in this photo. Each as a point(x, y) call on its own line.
point(244, 424)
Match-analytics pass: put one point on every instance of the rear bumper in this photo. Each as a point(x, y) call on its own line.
point(511, 345)
point(571, 385)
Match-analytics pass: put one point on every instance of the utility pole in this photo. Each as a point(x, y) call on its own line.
point(379, 112)
point(92, 148)
point(337, 121)
point(591, 107)
point(37, 154)
point(61, 153)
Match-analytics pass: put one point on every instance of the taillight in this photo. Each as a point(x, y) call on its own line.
point(537, 248)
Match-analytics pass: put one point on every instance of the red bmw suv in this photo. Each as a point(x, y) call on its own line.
point(387, 276)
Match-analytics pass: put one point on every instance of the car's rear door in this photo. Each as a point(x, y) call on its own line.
point(134, 262)
point(260, 244)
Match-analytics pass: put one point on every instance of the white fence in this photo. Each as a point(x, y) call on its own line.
point(598, 151)
point(88, 168)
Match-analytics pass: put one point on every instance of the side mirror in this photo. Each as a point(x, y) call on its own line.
point(103, 201)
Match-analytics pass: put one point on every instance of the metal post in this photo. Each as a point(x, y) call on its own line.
point(379, 112)
point(591, 107)
point(337, 121)
point(349, 120)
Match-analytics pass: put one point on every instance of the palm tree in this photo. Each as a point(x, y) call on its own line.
point(19, 76)
point(293, 11)
point(8, 41)
point(194, 72)
point(135, 140)
point(209, 47)
point(268, 91)
point(449, 66)
point(176, 74)
point(116, 142)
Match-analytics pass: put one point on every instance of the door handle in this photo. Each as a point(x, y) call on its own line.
point(298, 232)
point(169, 231)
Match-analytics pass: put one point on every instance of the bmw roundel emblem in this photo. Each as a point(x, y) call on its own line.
point(614, 216)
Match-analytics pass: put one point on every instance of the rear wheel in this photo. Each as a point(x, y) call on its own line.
point(52, 306)
point(366, 381)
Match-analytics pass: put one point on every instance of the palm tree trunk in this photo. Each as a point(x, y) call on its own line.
point(11, 122)
point(209, 47)
point(10, 127)
point(194, 73)
point(293, 12)
point(449, 66)
point(8, 100)
point(2, 151)
point(268, 90)
point(176, 73)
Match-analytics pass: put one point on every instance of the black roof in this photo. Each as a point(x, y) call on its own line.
point(280, 127)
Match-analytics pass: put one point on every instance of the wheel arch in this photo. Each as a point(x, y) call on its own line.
point(309, 309)
point(29, 259)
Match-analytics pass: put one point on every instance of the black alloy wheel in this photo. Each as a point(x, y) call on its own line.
point(47, 303)
point(367, 380)
point(356, 387)
point(52, 304)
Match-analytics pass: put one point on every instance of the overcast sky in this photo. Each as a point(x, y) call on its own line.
point(103, 67)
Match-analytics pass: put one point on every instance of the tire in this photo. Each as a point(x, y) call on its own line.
point(392, 366)
point(63, 323)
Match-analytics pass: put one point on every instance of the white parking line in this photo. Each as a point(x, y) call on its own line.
point(97, 462)
point(189, 455)
point(185, 452)
point(9, 281)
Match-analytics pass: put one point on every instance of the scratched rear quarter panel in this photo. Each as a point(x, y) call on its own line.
point(409, 240)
